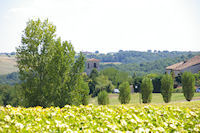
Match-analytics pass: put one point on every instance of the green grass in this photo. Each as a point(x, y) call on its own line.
point(156, 98)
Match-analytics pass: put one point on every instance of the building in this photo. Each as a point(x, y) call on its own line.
point(92, 64)
point(191, 65)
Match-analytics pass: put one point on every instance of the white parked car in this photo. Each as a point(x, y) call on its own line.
point(116, 91)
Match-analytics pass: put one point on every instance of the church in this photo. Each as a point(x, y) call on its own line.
point(92, 64)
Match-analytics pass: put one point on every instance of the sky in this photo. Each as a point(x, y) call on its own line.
point(107, 25)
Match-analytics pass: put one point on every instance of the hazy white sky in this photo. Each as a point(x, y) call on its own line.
point(107, 25)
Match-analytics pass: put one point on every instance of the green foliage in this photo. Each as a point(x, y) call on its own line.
point(167, 87)
point(9, 95)
point(103, 98)
point(146, 90)
point(103, 84)
point(84, 92)
point(139, 57)
point(177, 90)
point(125, 93)
point(117, 77)
point(145, 63)
point(48, 70)
point(137, 84)
point(94, 73)
point(188, 84)
point(92, 82)
point(123, 118)
point(197, 79)
point(157, 84)
point(122, 77)
point(112, 74)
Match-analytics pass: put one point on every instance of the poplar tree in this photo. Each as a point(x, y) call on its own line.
point(48, 70)
point(125, 93)
point(167, 87)
point(146, 90)
point(188, 85)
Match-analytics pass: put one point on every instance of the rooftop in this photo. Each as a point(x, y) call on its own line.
point(184, 64)
point(93, 59)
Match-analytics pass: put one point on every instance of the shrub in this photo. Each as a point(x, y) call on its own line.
point(125, 93)
point(103, 98)
point(188, 83)
point(146, 90)
point(166, 87)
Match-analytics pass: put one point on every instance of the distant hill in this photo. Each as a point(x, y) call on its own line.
point(7, 64)
point(127, 57)
point(129, 61)
point(139, 62)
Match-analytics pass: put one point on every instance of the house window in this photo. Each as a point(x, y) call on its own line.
point(95, 65)
point(88, 65)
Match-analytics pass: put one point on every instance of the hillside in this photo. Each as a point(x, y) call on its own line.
point(129, 61)
point(127, 57)
point(7, 64)
point(139, 62)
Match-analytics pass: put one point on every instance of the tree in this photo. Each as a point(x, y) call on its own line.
point(102, 83)
point(112, 74)
point(49, 73)
point(103, 98)
point(167, 87)
point(188, 85)
point(122, 77)
point(9, 95)
point(146, 90)
point(92, 83)
point(84, 92)
point(125, 93)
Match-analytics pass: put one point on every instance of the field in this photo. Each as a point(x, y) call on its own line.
point(181, 117)
point(156, 98)
point(7, 64)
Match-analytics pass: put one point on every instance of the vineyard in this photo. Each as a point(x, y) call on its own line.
point(139, 118)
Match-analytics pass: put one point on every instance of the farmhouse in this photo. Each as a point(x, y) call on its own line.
point(191, 65)
point(92, 64)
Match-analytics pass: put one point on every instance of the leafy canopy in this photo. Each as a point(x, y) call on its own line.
point(188, 83)
point(167, 87)
point(48, 70)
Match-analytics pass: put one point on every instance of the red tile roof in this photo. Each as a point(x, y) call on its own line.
point(182, 65)
point(93, 59)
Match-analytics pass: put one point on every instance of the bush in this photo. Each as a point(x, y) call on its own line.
point(103, 98)
point(188, 83)
point(166, 87)
point(125, 93)
point(146, 90)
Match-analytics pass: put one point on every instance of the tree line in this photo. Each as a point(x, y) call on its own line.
point(147, 87)
point(138, 57)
